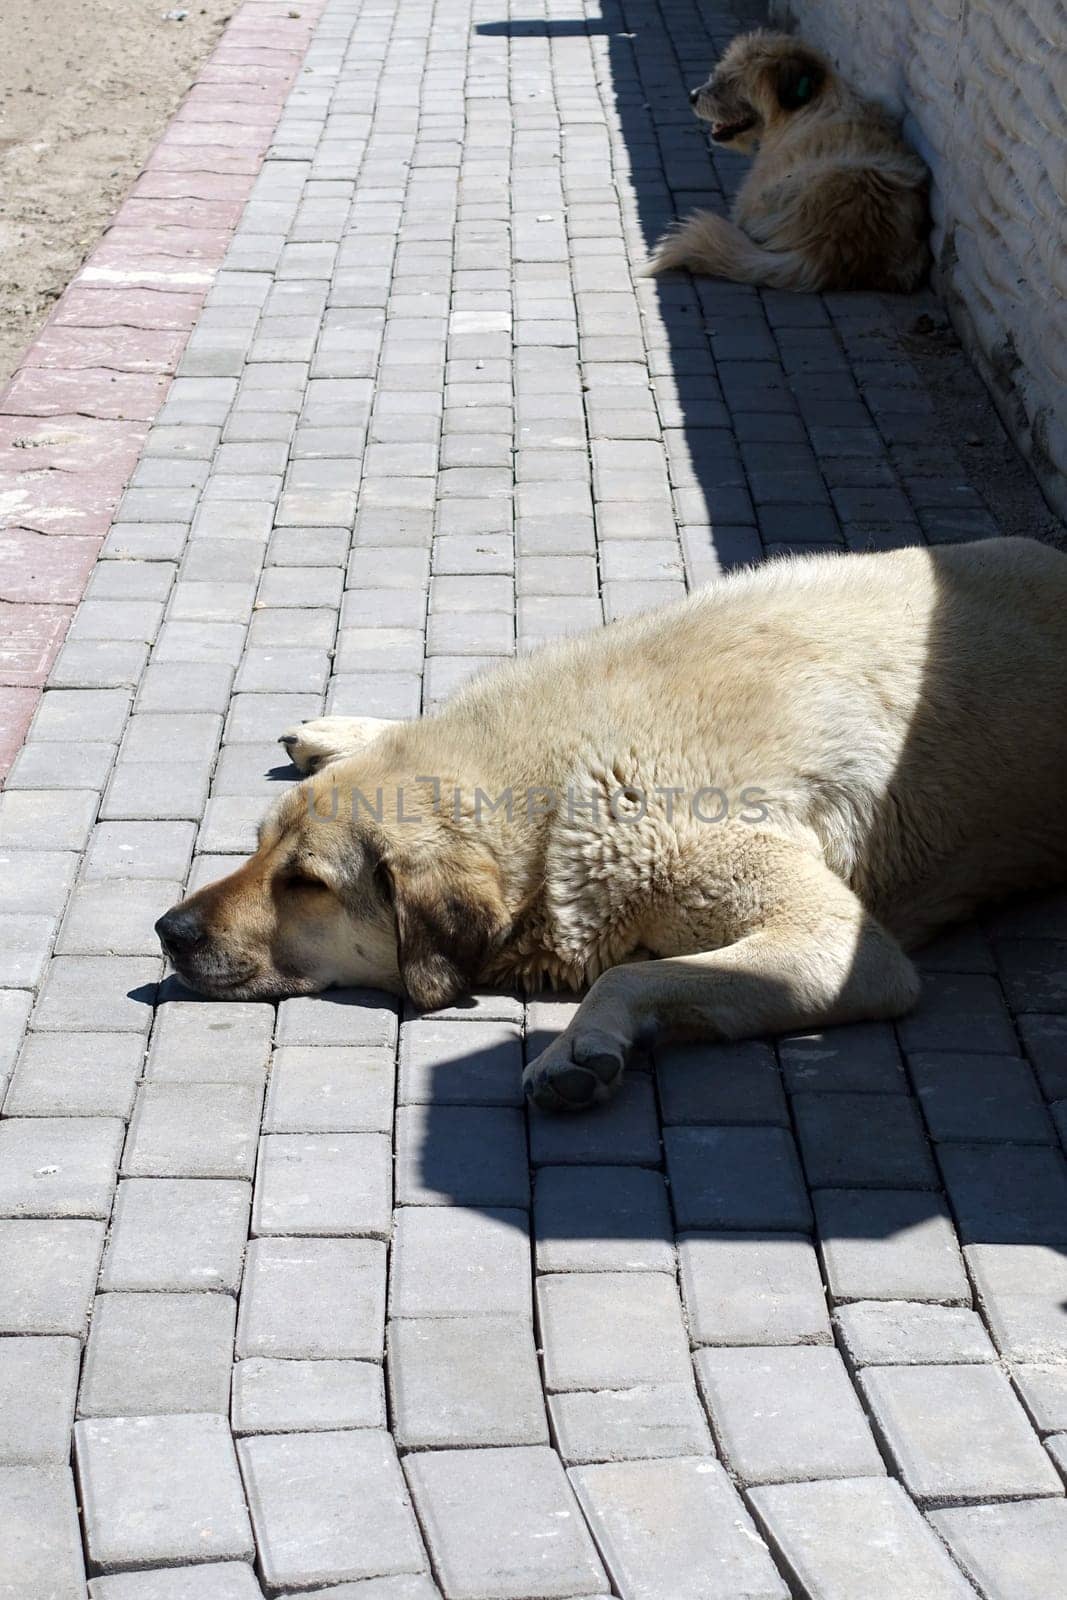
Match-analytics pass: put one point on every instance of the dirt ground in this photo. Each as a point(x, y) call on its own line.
point(86, 89)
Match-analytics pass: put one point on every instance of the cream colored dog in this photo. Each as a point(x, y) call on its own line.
point(772, 788)
point(834, 199)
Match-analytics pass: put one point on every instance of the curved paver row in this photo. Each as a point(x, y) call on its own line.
point(328, 1312)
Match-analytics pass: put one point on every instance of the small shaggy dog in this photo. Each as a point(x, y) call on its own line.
point(834, 200)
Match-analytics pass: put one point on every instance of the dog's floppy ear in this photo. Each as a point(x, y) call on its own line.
point(447, 920)
point(797, 77)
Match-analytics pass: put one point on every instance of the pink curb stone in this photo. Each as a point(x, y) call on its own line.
point(91, 391)
point(30, 637)
point(82, 307)
point(38, 569)
point(121, 349)
point(70, 443)
point(16, 711)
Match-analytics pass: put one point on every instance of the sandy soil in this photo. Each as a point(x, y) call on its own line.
point(86, 89)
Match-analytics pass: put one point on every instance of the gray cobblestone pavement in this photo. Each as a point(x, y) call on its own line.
point(785, 1318)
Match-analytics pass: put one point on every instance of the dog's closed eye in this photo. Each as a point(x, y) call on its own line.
point(298, 882)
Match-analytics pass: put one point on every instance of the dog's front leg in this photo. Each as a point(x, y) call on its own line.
point(819, 959)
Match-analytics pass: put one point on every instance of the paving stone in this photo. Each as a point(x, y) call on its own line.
point(417, 1586)
point(863, 1140)
point(1043, 1391)
point(314, 1299)
point(96, 714)
point(218, 1580)
point(454, 1262)
point(653, 1420)
point(131, 850)
point(889, 1245)
point(740, 1289)
point(37, 881)
point(49, 765)
point(1007, 1194)
point(154, 1354)
point(306, 1396)
point(891, 1333)
point(185, 686)
point(177, 1234)
point(611, 1330)
point(786, 1413)
point(971, 1098)
point(339, 1017)
point(99, 664)
point(958, 1012)
point(468, 1063)
point(193, 1130)
point(49, 1273)
point(160, 1490)
point(957, 1434)
point(463, 1381)
point(230, 825)
point(1022, 1291)
point(720, 1084)
point(887, 1553)
point(324, 1184)
point(1014, 1552)
point(47, 819)
point(59, 1166)
point(602, 1219)
point(736, 1177)
point(38, 1383)
point(210, 1042)
point(675, 1530)
point(330, 1090)
point(466, 1155)
point(329, 1507)
point(528, 1538)
point(39, 1533)
point(116, 917)
point(624, 1131)
point(25, 942)
point(101, 994)
point(1045, 1042)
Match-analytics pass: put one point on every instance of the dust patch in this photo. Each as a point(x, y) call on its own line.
point(969, 420)
point(86, 89)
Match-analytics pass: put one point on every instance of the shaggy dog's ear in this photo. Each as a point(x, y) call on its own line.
point(447, 921)
point(797, 79)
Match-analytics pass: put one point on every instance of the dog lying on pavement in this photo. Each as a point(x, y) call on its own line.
point(730, 817)
point(834, 199)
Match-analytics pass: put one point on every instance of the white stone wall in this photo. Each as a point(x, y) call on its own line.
point(982, 85)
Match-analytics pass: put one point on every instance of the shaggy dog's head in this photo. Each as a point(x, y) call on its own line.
point(763, 79)
point(358, 879)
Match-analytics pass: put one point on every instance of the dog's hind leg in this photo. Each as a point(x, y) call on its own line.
point(819, 959)
point(710, 244)
point(312, 744)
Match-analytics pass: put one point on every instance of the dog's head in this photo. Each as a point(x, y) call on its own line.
point(358, 879)
point(762, 79)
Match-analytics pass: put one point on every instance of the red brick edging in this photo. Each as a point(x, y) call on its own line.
point(75, 415)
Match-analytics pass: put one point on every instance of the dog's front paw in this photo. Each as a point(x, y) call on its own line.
point(311, 744)
point(584, 1066)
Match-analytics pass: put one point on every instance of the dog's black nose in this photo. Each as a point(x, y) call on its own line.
point(694, 96)
point(179, 929)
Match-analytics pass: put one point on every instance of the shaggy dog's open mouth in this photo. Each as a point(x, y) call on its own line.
point(723, 132)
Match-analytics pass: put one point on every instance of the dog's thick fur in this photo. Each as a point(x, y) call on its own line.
point(889, 735)
point(834, 199)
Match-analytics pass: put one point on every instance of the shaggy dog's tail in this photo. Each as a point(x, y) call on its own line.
point(708, 243)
